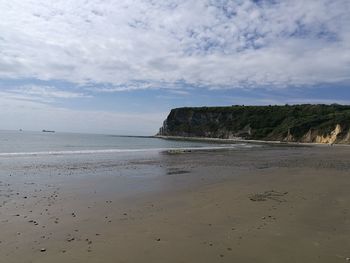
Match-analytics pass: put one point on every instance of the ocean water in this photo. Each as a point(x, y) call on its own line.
point(17, 143)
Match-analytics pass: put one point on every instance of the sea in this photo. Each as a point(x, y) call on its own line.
point(27, 143)
point(33, 161)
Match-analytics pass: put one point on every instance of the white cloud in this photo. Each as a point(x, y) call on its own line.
point(47, 92)
point(38, 94)
point(199, 42)
point(179, 92)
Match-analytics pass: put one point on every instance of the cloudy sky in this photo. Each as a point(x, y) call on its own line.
point(119, 66)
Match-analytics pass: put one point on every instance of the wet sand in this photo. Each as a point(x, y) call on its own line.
point(265, 204)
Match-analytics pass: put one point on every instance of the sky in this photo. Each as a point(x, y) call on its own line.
point(119, 66)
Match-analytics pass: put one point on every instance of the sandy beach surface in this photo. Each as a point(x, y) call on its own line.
point(262, 204)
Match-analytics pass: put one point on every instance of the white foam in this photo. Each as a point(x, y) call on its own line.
point(13, 154)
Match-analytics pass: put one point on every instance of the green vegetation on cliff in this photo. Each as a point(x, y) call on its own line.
point(309, 123)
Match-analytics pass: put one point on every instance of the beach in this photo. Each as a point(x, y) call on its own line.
point(270, 203)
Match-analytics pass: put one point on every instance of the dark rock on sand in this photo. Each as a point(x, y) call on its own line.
point(268, 195)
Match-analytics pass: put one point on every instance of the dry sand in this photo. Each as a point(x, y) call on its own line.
point(266, 204)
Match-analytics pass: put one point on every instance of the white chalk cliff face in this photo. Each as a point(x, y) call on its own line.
point(313, 136)
point(332, 137)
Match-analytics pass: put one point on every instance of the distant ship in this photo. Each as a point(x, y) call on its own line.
point(47, 131)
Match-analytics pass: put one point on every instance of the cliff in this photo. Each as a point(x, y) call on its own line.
point(297, 123)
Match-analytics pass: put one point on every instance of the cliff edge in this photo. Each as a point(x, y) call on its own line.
point(290, 123)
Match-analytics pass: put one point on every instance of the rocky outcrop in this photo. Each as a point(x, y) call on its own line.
point(297, 123)
point(330, 138)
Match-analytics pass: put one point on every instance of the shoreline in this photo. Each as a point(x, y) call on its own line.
point(210, 139)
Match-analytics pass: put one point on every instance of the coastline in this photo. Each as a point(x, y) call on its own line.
point(260, 204)
point(239, 140)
